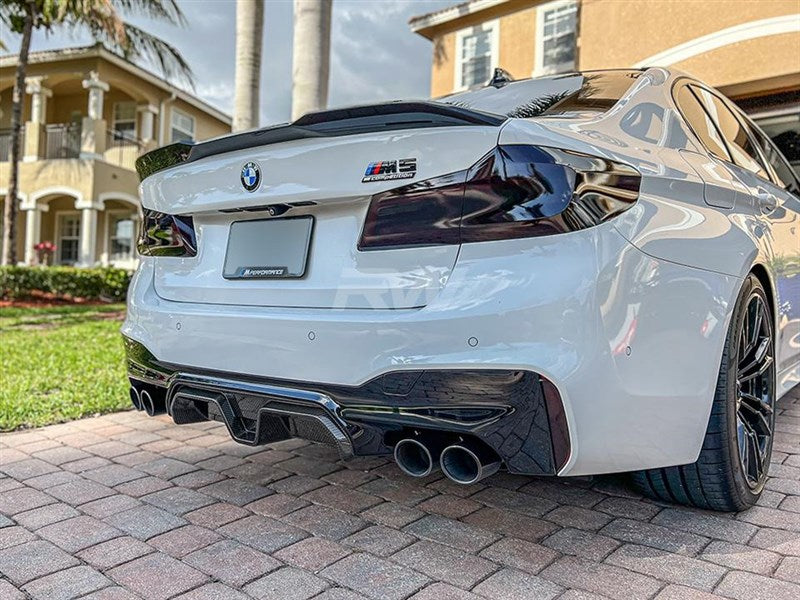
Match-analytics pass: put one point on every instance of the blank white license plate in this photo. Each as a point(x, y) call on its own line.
point(268, 249)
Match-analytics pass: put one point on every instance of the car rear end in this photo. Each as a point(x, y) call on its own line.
point(393, 278)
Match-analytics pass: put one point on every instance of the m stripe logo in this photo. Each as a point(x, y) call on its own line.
point(403, 168)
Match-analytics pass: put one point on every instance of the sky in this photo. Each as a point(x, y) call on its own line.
point(374, 55)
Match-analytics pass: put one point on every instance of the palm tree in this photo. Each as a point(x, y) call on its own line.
point(249, 35)
point(105, 24)
point(311, 55)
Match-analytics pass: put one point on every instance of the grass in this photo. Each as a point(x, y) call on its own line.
point(60, 363)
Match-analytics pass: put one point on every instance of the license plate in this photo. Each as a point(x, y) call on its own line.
point(268, 249)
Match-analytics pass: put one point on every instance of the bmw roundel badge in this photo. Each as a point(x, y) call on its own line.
point(251, 176)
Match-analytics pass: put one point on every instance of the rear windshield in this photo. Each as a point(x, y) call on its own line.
point(567, 95)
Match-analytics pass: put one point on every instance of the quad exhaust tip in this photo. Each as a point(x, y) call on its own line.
point(147, 402)
point(415, 458)
point(147, 398)
point(136, 399)
point(468, 463)
point(153, 403)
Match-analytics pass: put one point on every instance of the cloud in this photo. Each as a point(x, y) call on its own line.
point(374, 55)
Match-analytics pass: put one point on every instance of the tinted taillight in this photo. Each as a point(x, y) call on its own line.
point(512, 192)
point(423, 213)
point(167, 235)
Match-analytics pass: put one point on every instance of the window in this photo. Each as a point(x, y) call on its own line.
point(556, 37)
point(69, 237)
point(477, 54)
point(593, 92)
point(182, 126)
point(739, 143)
point(784, 175)
point(784, 131)
point(121, 228)
point(702, 125)
point(124, 125)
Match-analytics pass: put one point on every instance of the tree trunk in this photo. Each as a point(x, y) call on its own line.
point(10, 208)
point(311, 58)
point(249, 39)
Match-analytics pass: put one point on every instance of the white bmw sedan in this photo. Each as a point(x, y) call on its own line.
point(588, 273)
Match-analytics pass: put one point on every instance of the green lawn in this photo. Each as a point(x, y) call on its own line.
point(60, 363)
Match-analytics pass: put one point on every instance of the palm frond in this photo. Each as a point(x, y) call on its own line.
point(98, 16)
point(12, 15)
point(147, 46)
point(158, 10)
point(106, 25)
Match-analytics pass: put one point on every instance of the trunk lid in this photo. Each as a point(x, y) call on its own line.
point(317, 177)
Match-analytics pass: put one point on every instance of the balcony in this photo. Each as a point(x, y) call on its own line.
point(62, 140)
point(5, 144)
point(122, 149)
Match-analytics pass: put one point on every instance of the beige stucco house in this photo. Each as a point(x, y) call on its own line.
point(749, 50)
point(88, 115)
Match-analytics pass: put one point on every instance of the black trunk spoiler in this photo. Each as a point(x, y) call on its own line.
point(338, 122)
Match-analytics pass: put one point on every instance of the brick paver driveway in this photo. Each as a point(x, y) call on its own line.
point(124, 506)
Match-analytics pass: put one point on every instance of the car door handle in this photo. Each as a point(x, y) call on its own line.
point(767, 202)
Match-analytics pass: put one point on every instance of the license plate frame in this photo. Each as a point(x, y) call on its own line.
point(260, 266)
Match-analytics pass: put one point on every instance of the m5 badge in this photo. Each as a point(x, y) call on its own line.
point(402, 168)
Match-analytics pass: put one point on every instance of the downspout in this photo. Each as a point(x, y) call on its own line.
point(162, 117)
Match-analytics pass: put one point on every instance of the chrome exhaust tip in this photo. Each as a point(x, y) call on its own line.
point(147, 402)
point(136, 399)
point(152, 405)
point(414, 458)
point(468, 463)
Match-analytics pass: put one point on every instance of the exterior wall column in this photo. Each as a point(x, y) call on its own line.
point(147, 125)
point(93, 127)
point(34, 148)
point(88, 245)
point(33, 229)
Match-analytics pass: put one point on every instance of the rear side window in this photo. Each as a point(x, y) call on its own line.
point(740, 144)
point(784, 175)
point(573, 93)
point(701, 123)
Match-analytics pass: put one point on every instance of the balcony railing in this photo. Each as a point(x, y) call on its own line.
point(62, 140)
point(5, 144)
point(122, 149)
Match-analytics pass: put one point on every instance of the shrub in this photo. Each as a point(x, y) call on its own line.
point(102, 283)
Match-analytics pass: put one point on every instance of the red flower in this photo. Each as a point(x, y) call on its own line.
point(45, 247)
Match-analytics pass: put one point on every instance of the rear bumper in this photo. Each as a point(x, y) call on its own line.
point(631, 344)
point(516, 413)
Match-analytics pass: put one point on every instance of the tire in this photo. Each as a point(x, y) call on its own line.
point(725, 477)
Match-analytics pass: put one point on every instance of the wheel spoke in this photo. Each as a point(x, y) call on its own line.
point(754, 391)
point(753, 451)
point(749, 374)
point(741, 435)
point(758, 460)
point(751, 358)
point(755, 402)
point(753, 329)
point(755, 419)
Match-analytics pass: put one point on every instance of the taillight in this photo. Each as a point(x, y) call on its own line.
point(167, 235)
point(512, 192)
point(423, 213)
